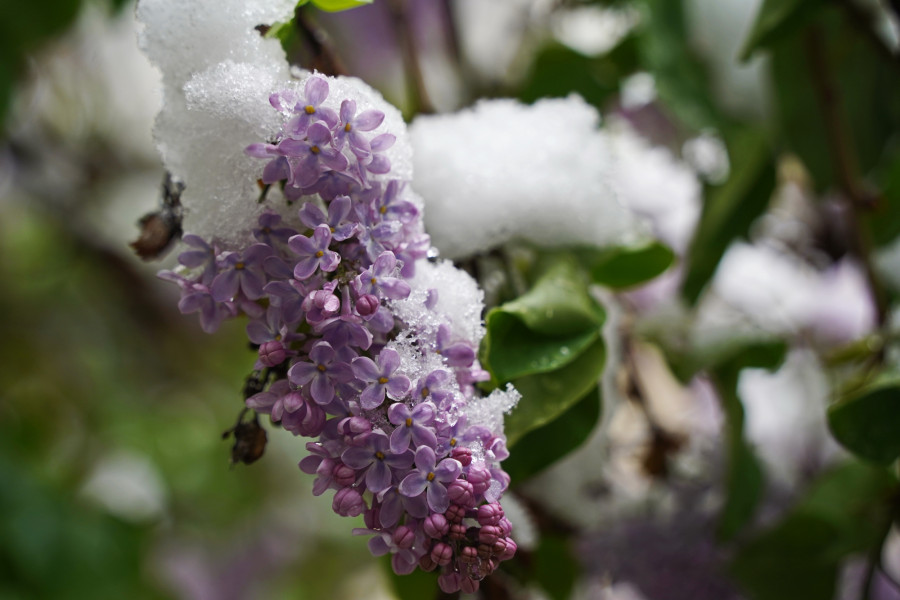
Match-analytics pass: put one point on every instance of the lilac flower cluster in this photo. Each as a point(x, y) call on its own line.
point(392, 441)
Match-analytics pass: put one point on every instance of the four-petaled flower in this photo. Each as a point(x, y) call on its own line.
point(324, 371)
point(430, 478)
point(314, 253)
point(380, 378)
point(412, 426)
point(376, 460)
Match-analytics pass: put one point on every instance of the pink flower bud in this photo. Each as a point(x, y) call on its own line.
point(367, 305)
point(272, 353)
point(436, 526)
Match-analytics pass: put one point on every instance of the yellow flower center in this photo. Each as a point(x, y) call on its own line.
point(409, 422)
point(310, 109)
point(347, 127)
point(430, 477)
point(379, 455)
point(425, 392)
point(320, 254)
point(239, 266)
point(321, 368)
point(382, 380)
point(314, 149)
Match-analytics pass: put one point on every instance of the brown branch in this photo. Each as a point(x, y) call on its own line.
point(843, 157)
point(324, 58)
point(416, 89)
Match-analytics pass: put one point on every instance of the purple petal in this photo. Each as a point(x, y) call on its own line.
point(356, 457)
point(329, 116)
point(448, 470)
point(413, 484)
point(225, 285)
point(425, 459)
point(398, 413)
point(423, 436)
point(316, 90)
point(258, 332)
point(438, 499)
point(252, 284)
point(302, 245)
point(348, 109)
point(397, 387)
point(368, 120)
point(322, 353)
point(276, 170)
point(329, 261)
point(400, 438)
point(378, 477)
point(302, 373)
point(319, 134)
point(306, 267)
point(379, 165)
point(322, 390)
point(383, 142)
point(365, 369)
point(372, 396)
point(388, 360)
point(312, 216)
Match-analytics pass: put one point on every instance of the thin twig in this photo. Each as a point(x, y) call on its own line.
point(324, 59)
point(416, 88)
point(846, 165)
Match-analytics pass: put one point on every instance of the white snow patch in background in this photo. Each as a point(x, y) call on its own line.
point(655, 185)
point(785, 416)
point(503, 170)
point(781, 294)
point(592, 30)
point(127, 485)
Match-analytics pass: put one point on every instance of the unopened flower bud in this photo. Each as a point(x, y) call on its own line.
point(343, 475)
point(367, 305)
point(404, 537)
point(463, 455)
point(441, 553)
point(348, 502)
point(436, 525)
point(490, 514)
point(461, 492)
point(455, 513)
point(272, 353)
point(457, 531)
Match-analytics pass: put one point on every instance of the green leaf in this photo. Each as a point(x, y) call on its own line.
point(846, 512)
point(545, 328)
point(862, 91)
point(624, 267)
point(546, 396)
point(558, 71)
point(786, 563)
point(336, 5)
point(744, 480)
point(415, 586)
point(775, 20)
point(556, 567)
point(540, 448)
point(856, 499)
point(559, 303)
point(730, 209)
point(867, 421)
point(681, 80)
point(884, 219)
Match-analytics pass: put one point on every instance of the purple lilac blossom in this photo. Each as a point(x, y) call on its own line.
point(318, 292)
